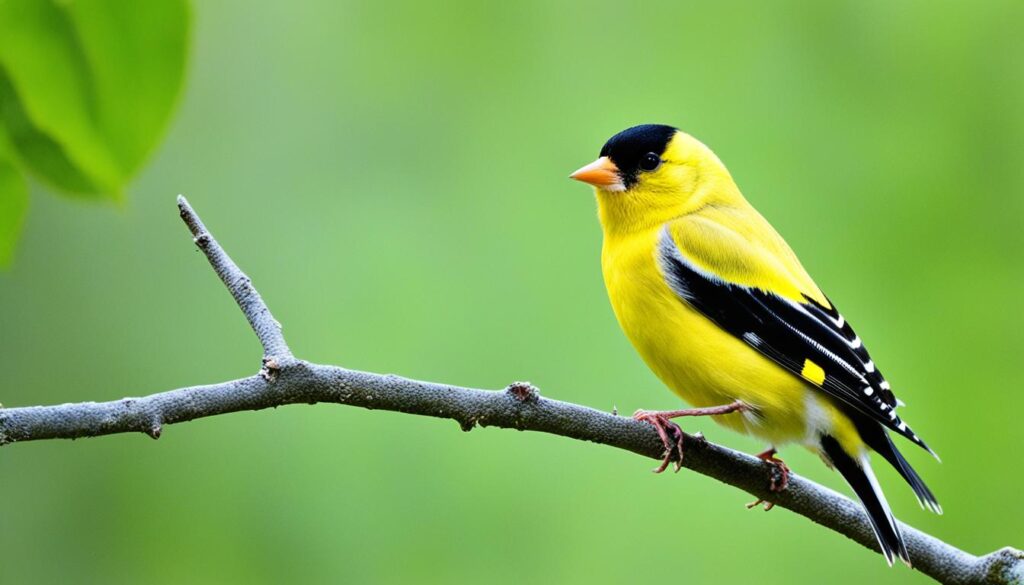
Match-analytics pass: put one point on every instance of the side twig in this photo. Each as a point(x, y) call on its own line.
point(267, 329)
point(286, 380)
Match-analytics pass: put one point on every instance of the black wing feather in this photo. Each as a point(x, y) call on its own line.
point(789, 333)
point(831, 318)
point(878, 439)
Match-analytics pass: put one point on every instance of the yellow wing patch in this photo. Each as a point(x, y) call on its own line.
point(739, 246)
point(813, 373)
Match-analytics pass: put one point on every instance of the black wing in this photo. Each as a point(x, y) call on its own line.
point(793, 334)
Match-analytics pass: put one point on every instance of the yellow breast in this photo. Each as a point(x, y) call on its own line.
point(702, 364)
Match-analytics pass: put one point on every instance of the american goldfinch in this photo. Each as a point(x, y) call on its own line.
point(719, 307)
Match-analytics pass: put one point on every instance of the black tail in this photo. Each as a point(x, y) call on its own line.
point(883, 445)
point(878, 439)
point(860, 477)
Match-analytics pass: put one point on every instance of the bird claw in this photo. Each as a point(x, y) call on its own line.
point(767, 505)
point(778, 476)
point(665, 427)
point(662, 422)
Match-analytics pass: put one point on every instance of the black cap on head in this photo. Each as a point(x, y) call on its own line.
point(627, 148)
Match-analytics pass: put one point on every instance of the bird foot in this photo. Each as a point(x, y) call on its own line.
point(778, 477)
point(778, 474)
point(662, 422)
point(671, 437)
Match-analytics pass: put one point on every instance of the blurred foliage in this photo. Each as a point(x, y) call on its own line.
point(86, 89)
point(13, 199)
point(393, 177)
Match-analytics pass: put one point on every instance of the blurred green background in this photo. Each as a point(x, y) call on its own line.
point(393, 177)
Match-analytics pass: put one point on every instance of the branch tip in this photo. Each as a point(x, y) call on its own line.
point(238, 284)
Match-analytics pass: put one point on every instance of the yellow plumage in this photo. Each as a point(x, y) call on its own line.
point(722, 311)
point(713, 225)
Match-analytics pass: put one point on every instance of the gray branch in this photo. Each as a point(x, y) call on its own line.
point(284, 379)
point(267, 329)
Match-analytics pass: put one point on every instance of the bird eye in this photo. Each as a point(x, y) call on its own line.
point(650, 161)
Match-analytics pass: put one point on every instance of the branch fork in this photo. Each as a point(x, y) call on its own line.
point(284, 379)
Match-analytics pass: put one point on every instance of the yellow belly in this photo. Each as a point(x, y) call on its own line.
point(701, 363)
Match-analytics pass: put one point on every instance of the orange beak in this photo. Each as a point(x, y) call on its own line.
point(602, 173)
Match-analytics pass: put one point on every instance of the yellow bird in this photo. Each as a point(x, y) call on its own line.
point(721, 310)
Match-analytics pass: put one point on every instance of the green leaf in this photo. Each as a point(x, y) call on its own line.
point(13, 202)
point(39, 153)
point(89, 85)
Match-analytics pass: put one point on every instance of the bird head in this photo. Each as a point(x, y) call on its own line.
point(649, 174)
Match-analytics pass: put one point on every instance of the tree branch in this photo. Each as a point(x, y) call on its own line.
point(266, 327)
point(287, 380)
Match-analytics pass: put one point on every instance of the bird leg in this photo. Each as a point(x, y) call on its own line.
point(778, 467)
point(665, 427)
point(661, 420)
